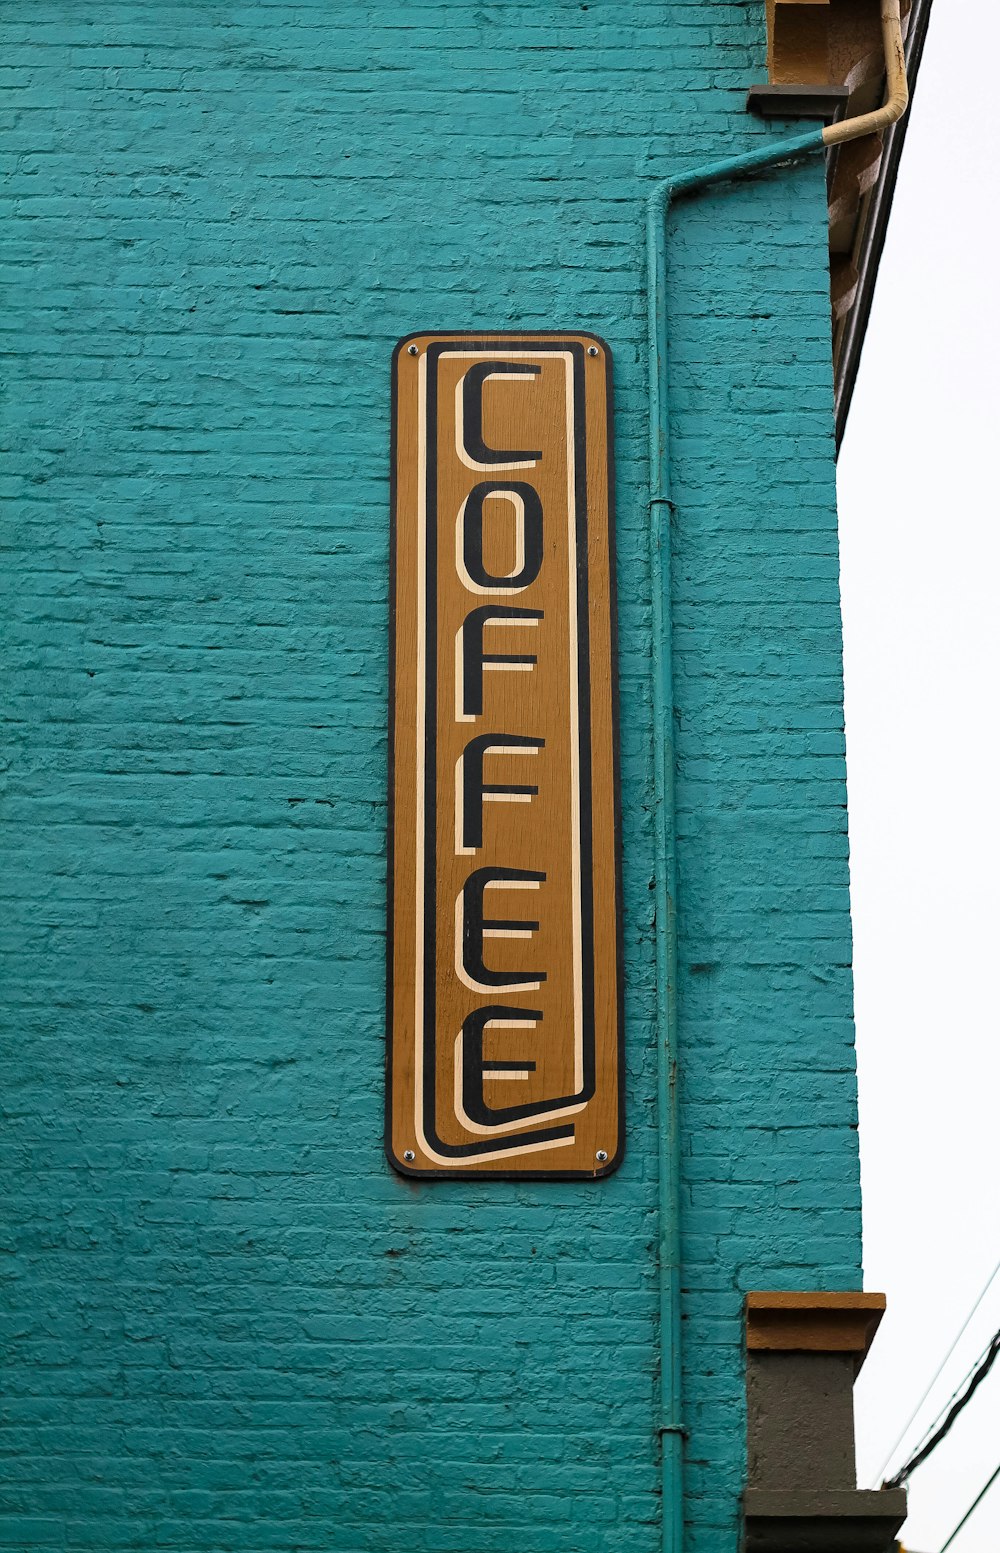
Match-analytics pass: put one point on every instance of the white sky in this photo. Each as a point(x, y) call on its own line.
point(920, 577)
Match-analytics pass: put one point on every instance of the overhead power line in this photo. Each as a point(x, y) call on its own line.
point(959, 1401)
point(972, 1508)
point(938, 1372)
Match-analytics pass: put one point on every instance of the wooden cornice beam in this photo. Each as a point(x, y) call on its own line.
point(798, 42)
point(813, 1323)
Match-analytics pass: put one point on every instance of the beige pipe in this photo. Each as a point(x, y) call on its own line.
point(897, 91)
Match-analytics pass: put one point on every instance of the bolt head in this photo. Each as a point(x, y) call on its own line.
point(602, 1156)
point(409, 1156)
point(413, 350)
point(592, 350)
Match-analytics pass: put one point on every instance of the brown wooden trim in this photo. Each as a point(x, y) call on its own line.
point(798, 41)
point(796, 1322)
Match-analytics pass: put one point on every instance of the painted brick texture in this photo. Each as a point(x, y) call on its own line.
point(229, 1327)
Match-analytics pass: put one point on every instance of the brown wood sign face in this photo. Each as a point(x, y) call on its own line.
point(504, 974)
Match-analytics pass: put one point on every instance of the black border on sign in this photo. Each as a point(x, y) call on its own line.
point(488, 340)
point(553, 1129)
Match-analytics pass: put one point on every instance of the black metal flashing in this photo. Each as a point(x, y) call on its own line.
point(873, 237)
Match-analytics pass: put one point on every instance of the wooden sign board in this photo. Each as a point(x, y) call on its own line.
point(504, 960)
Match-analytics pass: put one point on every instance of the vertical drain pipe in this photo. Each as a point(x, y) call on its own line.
point(670, 1424)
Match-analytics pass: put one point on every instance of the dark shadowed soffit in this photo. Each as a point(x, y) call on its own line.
point(873, 221)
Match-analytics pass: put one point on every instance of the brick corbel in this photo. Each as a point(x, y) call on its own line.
point(792, 1322)
point(804, 1351)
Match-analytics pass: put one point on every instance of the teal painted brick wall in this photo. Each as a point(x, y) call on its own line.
point(230, 1328)
point(771, 1189)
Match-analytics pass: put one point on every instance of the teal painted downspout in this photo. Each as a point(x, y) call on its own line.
point(671, 1420)
point(671, 1425)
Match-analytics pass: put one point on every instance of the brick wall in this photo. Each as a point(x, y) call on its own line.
point(231, 1328)
point(772, 1197)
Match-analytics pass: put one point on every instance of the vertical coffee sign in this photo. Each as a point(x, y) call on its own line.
point(504, 962)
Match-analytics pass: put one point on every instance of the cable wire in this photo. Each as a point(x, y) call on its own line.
point(983, 1366)
point(937, 1373)
point(973, 1507)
